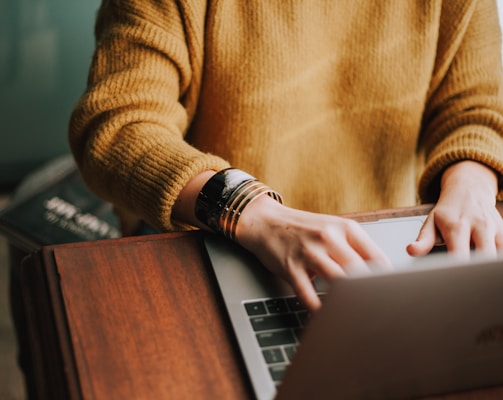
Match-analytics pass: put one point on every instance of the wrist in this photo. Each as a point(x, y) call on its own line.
point(470, 175)
point(183, 209)
point(225, 196)
point(258, 217)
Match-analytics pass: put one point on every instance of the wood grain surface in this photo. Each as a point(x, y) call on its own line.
point(140, 318)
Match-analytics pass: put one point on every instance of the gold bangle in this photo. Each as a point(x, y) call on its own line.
point(237, 203)
point(224, 197)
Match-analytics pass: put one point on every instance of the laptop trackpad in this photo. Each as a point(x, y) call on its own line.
point(393, 236)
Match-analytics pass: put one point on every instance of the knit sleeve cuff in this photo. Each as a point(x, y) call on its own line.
point(158, 180)
point(479, 144)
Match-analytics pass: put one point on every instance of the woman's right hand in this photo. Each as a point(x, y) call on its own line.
point(297, 245)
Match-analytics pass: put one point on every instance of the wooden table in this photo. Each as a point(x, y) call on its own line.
point(139, 318)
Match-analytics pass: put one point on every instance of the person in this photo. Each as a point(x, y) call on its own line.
point(268, 121)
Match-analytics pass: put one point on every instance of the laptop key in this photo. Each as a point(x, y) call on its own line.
point(294, 304)
point(275, 338)
point(276, 306)
point(277, 372)
point(290, 352)
point(255, 308)
point(273, 355)
point(303, 317)
point(277, 321)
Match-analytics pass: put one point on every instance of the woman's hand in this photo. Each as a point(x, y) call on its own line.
point(298, 245)
point(295, 245)
point(465, 216)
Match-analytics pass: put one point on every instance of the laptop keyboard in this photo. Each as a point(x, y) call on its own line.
point(278, 325)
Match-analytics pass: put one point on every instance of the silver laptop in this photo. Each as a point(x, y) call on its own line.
point(434, 325)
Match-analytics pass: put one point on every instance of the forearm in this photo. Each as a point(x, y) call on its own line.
point(127, 131)
point(463, 116)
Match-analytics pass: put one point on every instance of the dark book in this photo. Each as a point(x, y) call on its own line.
point(54, 205)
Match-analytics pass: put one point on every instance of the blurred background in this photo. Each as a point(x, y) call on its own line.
point(45, 51)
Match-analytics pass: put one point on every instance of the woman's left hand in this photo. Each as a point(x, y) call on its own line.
point(465, 217)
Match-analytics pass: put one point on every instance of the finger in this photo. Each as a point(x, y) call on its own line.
point(484, 240)
point(427, 238)
point(457, 239)
point(498, 240)
point(343, 254)
point(326, 266)
point(366, 249)
point(498, 235)
point(304, 289)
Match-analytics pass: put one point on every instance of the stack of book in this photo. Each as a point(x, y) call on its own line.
point(52, 206)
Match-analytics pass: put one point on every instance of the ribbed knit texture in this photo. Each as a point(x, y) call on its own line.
point(341, 106)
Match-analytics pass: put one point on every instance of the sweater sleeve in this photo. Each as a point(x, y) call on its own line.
point(127, 131)
point(463, 118)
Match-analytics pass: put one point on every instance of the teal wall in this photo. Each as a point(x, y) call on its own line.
point(45, 51)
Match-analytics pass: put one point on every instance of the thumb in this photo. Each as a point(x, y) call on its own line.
point(426, 239)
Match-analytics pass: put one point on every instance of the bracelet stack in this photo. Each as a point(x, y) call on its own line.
point(225, 196)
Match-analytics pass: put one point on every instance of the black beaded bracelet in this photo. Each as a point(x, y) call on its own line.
point(225, 195)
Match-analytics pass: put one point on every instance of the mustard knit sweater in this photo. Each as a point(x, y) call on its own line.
point(341, 106)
